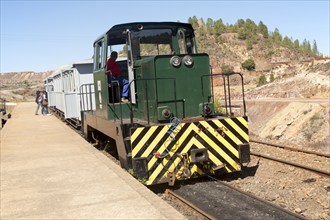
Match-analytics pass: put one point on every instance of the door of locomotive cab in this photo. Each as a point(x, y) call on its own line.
point(130, 65)
point(100, 81)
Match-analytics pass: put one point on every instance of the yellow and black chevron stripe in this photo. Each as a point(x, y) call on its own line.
point(220, 137)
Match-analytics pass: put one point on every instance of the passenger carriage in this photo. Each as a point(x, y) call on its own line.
point(66, 87)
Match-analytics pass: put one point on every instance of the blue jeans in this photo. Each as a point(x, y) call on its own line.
point(38, 106)
point(44, 110)
point(123, 83)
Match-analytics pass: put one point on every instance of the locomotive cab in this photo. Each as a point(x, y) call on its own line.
point(160, 61)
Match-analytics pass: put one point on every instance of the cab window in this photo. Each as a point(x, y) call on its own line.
point(151, 42)
point(99, 57)
point(186, 42)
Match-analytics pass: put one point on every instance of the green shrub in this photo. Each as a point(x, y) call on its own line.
point(226, 69)
point(249, 64)
point(249, 44)
point(217, 106)
point(262, 80)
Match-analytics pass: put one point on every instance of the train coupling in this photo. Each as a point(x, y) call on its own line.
point(199, 155)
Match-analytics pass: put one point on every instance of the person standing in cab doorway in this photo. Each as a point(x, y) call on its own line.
point(113, 73)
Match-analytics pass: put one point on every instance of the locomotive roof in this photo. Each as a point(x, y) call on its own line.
point(116, 32)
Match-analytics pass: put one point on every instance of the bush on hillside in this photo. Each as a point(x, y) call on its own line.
point(262, 80)
point(226, 69)
point(249, 64)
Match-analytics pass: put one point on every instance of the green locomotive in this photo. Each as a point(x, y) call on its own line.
point(168, 130)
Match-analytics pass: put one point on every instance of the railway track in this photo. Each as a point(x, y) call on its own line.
point(293, 153)
point(191, 205)
point(217, 200)
point(290, 148)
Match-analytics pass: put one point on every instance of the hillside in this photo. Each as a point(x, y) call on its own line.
point(233, 51)
point(21, 86)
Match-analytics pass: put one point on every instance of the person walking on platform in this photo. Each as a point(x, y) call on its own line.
point(44, 109)
point(39, 98)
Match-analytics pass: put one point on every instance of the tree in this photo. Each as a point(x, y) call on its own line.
point(240, 23)
point(209, 22)
point(287, 41)
point(309, 48)
point(248, 30)
point(232, 28)
point(219, 27)
point(262, 29)
point(296, 44)
point(306, 46)
point(242, 33)
point(194, 22)
point(314, 50)
point(209, 25)
point(277, 37)
point(250, 25)
point(249, 64)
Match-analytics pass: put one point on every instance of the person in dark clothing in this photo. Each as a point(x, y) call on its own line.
point(39, 98)
point(44, 109)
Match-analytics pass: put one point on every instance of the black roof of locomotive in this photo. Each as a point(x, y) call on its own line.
point(116, 33)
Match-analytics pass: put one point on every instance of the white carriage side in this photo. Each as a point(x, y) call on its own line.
point(66, 89)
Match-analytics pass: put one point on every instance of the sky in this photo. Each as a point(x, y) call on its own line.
point(44, 35)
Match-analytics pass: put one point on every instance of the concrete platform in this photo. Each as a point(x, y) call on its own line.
point(49, 172)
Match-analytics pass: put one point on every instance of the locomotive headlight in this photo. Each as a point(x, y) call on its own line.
point(188, 60)
point(175, 61)
point(207, 110)
point(166, 113)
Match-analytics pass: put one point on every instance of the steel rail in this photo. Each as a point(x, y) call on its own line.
point(170, 192)
point(322, 172)
point(290, 148)
point(263, 200)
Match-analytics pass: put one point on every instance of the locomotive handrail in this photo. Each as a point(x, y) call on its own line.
point(113, 108)
point(146, 90)
point(88, 89)
point(224, 76)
